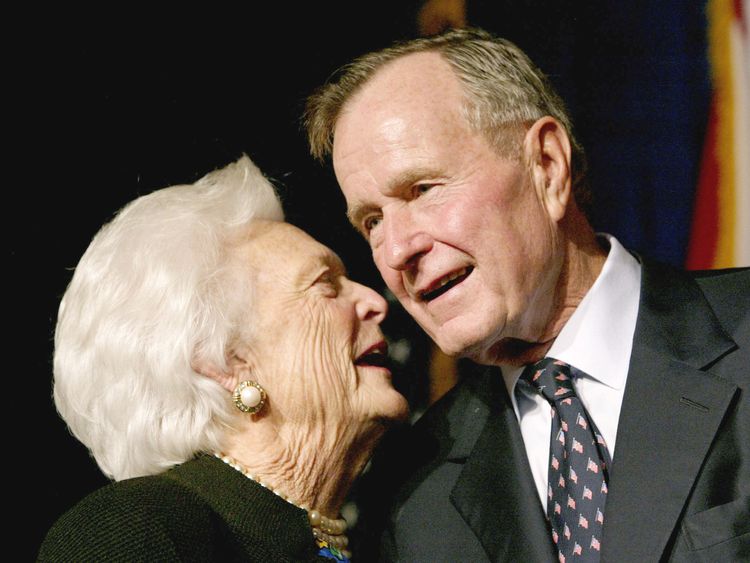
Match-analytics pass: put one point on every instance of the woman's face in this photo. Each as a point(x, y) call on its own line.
point(315, 342)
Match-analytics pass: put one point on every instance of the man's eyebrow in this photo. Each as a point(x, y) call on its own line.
point(357, 212)
point(404, 179)
point(410, 177)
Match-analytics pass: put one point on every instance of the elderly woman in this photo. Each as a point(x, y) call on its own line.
point(225, 373)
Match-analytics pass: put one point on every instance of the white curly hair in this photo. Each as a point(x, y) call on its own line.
point(153, 290)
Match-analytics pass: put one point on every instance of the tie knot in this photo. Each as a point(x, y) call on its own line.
point(550, 377)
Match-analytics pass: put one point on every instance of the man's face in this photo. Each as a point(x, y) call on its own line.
point(459, 234)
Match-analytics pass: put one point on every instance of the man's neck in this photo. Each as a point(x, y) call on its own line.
point(583, 262)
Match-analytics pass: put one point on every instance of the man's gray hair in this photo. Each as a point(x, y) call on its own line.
point(504, 93)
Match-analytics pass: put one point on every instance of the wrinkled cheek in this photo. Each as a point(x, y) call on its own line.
point(324, 364)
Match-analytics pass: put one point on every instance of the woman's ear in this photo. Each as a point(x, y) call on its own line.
point(237, 370)
point(547, 154)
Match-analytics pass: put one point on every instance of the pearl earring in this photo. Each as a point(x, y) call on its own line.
point(249, 396)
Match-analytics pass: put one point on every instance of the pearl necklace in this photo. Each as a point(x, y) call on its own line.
point(330, 530)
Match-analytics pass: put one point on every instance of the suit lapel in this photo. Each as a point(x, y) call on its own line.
point(670, 414)
point(495, 493)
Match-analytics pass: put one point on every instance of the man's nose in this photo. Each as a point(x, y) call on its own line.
point(404, 239)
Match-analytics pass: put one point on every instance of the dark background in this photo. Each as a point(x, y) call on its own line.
point(111, 111)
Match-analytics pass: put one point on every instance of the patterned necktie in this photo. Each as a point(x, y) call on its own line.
point(578, 464)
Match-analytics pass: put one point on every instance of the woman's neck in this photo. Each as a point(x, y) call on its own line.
point(314, 468)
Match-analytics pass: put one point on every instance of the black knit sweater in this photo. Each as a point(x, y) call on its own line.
point(202, 510)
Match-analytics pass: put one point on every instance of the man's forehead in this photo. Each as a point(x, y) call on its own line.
point(405, 78)
point(405, 99)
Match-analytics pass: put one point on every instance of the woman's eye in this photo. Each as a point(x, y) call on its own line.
point(328, 283)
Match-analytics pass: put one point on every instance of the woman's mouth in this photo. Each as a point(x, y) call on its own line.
point(375, 356)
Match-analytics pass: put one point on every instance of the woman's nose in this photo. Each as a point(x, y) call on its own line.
point(370, 305)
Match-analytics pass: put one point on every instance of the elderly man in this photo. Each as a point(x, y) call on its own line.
point(619, 426)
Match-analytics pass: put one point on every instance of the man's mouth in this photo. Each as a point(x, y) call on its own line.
point(445, 283)
point(375, 356)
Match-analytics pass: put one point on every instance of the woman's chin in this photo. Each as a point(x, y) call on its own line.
point(394, 409)
point(388, 411)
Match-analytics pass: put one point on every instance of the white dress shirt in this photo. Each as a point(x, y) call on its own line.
point(598, 340)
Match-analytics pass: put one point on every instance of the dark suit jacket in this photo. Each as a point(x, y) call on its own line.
point(202, 510)
point(680, 481)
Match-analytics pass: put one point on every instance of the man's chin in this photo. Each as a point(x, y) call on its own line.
point(514, 352)
point(486, 351)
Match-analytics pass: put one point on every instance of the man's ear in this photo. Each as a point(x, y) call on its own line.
point(547, 153)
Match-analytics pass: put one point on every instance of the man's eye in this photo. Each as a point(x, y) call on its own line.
point(421, 189)
point(370, 223)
